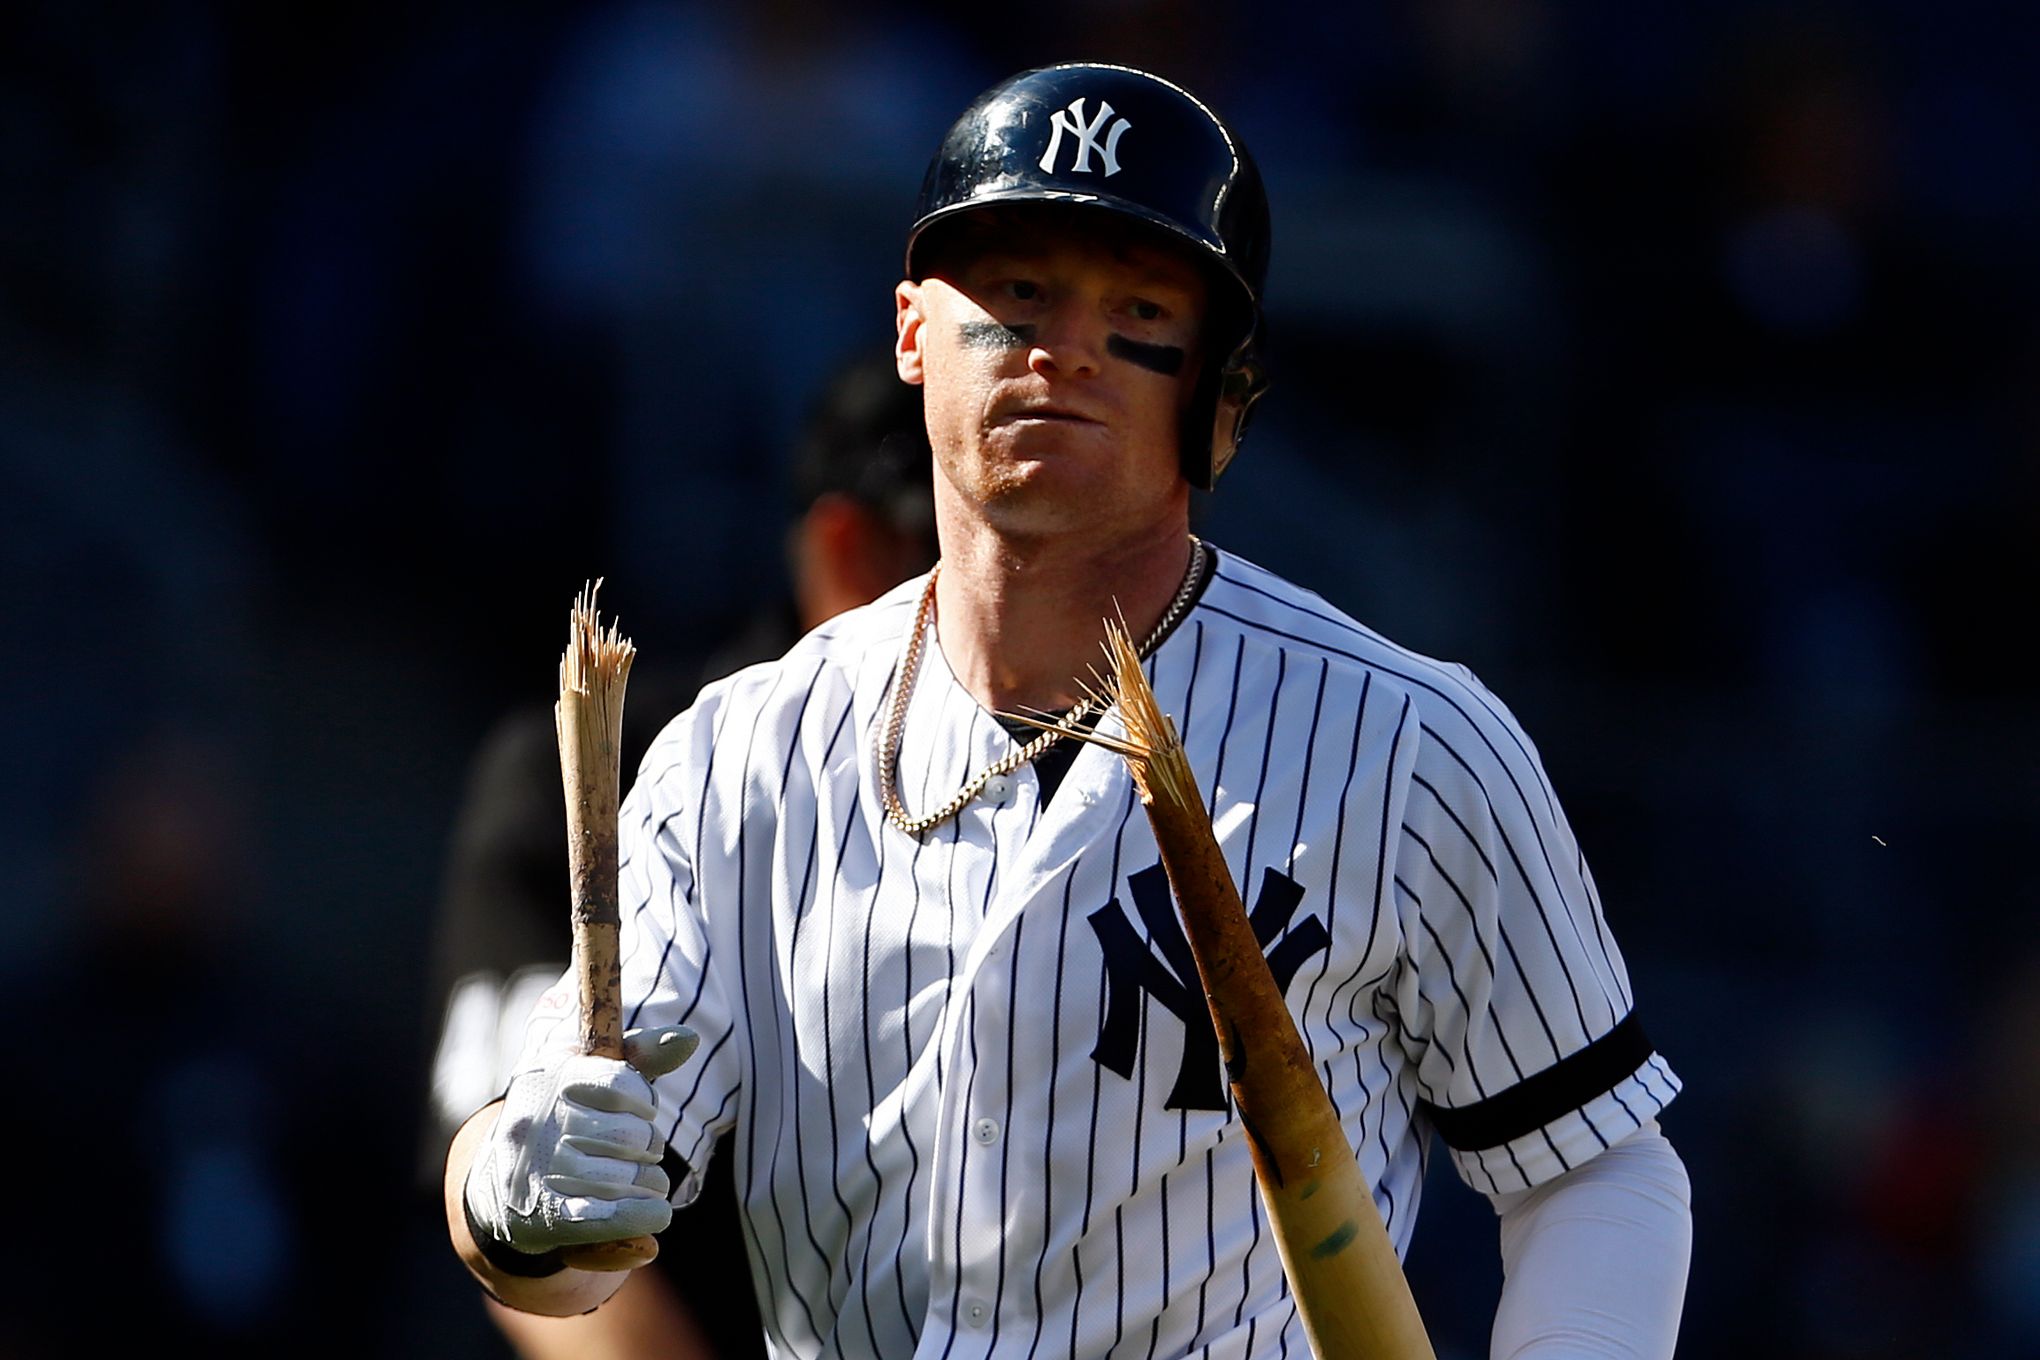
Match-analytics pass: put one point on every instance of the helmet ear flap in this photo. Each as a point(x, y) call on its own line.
point(1217, 418)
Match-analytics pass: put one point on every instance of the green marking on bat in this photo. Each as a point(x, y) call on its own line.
point(1337, 1240)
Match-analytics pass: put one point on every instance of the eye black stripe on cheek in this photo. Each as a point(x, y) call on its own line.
point(1166, 360)
point(993, 335)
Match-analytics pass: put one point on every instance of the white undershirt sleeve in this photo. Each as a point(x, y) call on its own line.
point(1594, 1260)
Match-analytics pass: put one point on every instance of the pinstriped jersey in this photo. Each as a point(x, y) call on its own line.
point(968, 1080)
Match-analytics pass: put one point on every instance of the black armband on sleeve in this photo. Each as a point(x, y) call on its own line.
point(1537, 1100)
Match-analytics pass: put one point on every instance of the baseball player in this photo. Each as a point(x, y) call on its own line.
point(923, 959)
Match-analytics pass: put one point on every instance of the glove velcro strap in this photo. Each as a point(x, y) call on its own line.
point(507, 1259)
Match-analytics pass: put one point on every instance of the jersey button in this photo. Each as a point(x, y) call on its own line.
point(998, 790)
point(986, 1131)
point(976, 1312)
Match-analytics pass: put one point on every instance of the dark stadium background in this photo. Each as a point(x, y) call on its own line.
point(1677, 368)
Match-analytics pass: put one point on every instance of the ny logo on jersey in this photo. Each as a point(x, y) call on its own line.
point(1071, 120)
point(1130, 969)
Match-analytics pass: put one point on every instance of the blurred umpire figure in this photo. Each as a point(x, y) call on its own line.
point(863, 521)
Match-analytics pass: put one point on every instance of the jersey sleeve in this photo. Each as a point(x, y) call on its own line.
point(1515, 1006)
point(669, 970)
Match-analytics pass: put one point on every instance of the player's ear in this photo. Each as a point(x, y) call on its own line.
point(908, 320)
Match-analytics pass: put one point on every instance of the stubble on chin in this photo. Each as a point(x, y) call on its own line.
point(989, 471)
point(1004, 482)
point(1006, 498)
point(1007, 495)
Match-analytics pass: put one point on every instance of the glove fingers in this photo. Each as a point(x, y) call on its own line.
point(607, 1085)
point(655, 1179)
point(576, 1190)
point(574, 1159)
point(597, 1168)
point(602, 1147)
point(585, 1219)
point(626, 1130)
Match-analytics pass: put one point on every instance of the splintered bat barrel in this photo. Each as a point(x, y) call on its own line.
point(1342, 1269)
point(589, 720)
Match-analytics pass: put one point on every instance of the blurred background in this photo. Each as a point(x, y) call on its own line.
point(1675, 367)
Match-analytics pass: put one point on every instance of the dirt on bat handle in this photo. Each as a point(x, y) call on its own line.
point(588, 768)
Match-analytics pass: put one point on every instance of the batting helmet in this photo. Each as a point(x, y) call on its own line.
point(1118, 140)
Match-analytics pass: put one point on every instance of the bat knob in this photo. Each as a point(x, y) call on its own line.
point(628, 1254)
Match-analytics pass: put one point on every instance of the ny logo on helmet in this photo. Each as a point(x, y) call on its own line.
point(1071, 120)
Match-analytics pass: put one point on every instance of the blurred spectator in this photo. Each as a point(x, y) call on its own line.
point(154, 1038)
point(724, 275)
point(2003, 1197)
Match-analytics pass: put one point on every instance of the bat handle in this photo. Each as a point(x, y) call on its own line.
point(628, 1254)
point(589, 723)
point(595, 945)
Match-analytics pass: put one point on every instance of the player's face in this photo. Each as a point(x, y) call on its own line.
point(1057, 362)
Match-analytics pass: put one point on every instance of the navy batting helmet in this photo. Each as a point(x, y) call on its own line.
point(1118, 140)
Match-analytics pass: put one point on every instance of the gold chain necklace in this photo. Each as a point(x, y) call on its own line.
point(910, 664)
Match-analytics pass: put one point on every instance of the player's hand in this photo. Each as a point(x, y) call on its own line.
point(574, 1157)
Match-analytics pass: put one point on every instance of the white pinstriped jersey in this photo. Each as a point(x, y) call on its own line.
point(968, 1080)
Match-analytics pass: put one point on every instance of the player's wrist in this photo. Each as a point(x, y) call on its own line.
point(489, 1225)
point(506, 1257)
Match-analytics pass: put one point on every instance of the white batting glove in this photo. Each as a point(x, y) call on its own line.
point(574, 1158)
